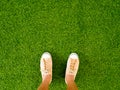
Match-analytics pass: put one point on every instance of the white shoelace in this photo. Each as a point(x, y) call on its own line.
point(46, 66)
point(72, 66)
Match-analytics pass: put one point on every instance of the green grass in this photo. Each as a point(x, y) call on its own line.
point(90, 28)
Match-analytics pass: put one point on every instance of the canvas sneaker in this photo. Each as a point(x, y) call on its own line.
point(72, 65)
point(46, 65)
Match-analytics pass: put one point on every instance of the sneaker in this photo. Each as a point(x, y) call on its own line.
point(72, 65)
point(46, 65)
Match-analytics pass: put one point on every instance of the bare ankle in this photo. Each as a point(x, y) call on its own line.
point(47, 79)
point(69, 78)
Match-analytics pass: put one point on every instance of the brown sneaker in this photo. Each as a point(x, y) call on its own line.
point(46, 65)
point(72, 65)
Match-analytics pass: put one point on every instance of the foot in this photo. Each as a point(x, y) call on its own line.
point(46, 67)
point(72, 67)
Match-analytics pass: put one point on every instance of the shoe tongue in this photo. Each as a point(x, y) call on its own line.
point(71, 71)
point(46, 71)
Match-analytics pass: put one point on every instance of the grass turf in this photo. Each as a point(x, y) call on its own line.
point(90, 28)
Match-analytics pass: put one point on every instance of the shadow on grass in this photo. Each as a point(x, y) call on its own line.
point(59, 66)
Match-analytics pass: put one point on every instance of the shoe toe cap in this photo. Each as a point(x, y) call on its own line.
point(46, 55)
point(73, 56)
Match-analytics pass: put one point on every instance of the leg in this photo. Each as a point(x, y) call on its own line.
point(46, 71)
point(71, 85)
point(71, 71)
point(45, 83)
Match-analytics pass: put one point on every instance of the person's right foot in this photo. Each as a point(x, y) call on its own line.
point(72, 67)
point(46, 67)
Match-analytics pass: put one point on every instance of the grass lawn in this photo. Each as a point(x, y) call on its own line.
point(90, 28)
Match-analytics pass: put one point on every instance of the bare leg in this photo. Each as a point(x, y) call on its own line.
point(71, 85)
point(45, 83)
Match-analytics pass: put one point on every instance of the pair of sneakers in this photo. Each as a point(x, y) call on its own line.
point(46, 65)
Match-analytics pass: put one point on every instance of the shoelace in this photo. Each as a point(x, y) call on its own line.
point(72, 65)
point(46, 70)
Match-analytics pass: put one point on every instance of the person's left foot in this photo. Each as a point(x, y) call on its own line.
point(46, 67)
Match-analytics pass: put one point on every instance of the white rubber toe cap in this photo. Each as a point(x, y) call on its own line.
point(46, 55)
point(73, 56)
